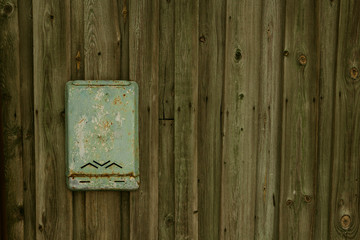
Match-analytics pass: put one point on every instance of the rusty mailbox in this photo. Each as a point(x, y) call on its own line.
point(102, 147)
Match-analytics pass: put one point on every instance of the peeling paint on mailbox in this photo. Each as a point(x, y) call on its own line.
point(102, 147)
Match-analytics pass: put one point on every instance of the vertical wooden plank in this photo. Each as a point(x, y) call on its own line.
point(123, 9)
point(270, 102)
point(27, 115)
point(240, 119)
point(78, 73)
point(11, 117)
point(328, 33)
point(166, 59)
point(211, 75)
point(166, 174)
point(345, 203)
point(299, 140)
point(51, 31)
point(186, 116)
point(3, 212)
point(102, 62)
point(144, 69)
point(166, 180)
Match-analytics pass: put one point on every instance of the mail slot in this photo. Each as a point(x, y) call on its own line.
point(102, 147)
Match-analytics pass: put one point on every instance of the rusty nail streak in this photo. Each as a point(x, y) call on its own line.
point(345, 221)
point(354, 73)
point(302, 60)
point(78, 60)
point(74, 175)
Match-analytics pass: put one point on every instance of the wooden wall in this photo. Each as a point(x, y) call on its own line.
point(249, 117)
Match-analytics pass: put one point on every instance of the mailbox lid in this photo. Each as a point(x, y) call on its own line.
point(102, 148)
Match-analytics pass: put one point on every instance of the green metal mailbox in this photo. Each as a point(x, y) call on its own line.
point(102, 147)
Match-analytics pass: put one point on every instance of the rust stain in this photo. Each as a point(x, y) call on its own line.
point(107, 175)
point(117, 100)
point(78, 60)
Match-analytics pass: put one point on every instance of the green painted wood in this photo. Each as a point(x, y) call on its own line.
point(27, 115)
point(211, 41)
point(144, 69)
point(11, 118)
point(51, 30)
point(166, 180)
point(270, 117)
point(101, 62)
point(328, 34)
point(345, 220)
point(186, 116)
point(299, 123)
point(240, 119)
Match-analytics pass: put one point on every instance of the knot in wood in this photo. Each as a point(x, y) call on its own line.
point(345, 221)
point(286, 53)
point(307, 198)
point(302, 60)
point(7, 9)
point(354, 73)
point(289, 202)
point(202, 39)
point(238, 55)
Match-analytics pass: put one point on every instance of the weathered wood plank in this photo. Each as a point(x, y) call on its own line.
point(51, 31)
point(240, 119)
point(166, 180)
point(144, 60)
point(211, 75)
point(166, 59)
point(270, 116)
point(345, 219)
point(123, 9)
point(102, 61)
point(27, 115)
point(144, 47)
point(300, 107)
point(78, 73)
point(11, 118)
point(328, 33)
point(186, 116)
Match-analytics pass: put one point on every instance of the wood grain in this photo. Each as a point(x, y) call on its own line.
point(166, 59)
point(345, 203)
point(186, 116)
point(102, 62)
point(328, 34)
point(27, 115)
point(144, 69)
point(299, 124)
point(166, 180)
point(123, 13)
point(240, 119)
point(78, 73)
point(11, 118)
point(211, 41)
point(270, 117)
point(51, 30)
